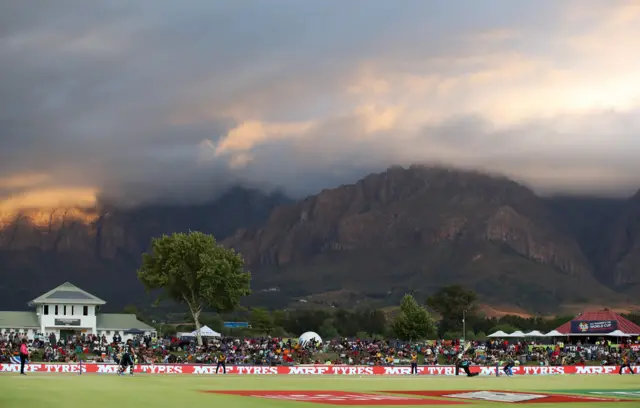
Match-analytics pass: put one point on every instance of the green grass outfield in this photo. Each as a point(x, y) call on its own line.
point(145, 390)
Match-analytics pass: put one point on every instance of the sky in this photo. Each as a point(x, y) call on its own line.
point(148, 100)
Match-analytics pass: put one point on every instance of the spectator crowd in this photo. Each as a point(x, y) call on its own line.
point(281, 351)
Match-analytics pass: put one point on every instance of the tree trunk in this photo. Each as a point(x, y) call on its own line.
point(196, 320)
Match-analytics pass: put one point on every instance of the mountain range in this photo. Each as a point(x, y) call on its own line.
point(403, 230)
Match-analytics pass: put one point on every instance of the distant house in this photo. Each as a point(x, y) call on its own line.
point(68, 310)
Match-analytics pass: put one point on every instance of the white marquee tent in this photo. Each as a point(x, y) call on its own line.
point(534, 333)
point(555, 333)
point(618, 333)
point(205, 331)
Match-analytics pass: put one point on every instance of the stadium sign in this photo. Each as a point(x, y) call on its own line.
point(591, 326)
point(344, 370)
point(67, 322)
point(236, 325)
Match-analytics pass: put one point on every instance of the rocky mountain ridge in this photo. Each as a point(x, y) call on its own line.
point(385, 211)
point(406, 229)
point(427, 227)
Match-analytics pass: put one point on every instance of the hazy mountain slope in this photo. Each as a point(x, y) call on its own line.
point(403, 230)
point(99, 249)
point(419, 228)
point(621, 249)
point(590, 220)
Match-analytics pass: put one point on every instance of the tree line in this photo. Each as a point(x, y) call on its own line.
point(194, 270)
point(411, 321)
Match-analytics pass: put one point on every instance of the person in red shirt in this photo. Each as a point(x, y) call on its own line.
point(24, 353)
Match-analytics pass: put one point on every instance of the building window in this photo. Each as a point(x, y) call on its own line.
point(85, 310)
point(72, 311)
point(45, 309)
point(55, 312)
point(64, 310)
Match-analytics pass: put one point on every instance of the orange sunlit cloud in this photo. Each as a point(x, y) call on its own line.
point(18, 181)
point(50, 198)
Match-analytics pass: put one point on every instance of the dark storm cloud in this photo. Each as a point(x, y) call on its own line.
point(119, 95)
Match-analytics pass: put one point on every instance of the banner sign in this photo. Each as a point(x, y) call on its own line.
point(197, 369)
point(594, 326)
point(236, 325)
point(66, 322)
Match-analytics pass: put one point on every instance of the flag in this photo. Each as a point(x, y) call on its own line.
point(16, 360)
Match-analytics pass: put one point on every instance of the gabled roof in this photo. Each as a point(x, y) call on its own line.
point(624, 325)
point(67, 293)
point(118, 321)
point(19, 320)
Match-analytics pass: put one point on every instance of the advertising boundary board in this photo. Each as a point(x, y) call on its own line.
point(197, 369)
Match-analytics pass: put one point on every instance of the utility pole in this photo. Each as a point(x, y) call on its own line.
point(464, 327)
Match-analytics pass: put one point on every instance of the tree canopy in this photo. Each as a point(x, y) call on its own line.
point(341, 323)
point(413, 322)
point(451, 302)
point(193, 269)
point(261, 321)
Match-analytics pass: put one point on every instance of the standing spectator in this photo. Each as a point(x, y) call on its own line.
point(24, 353)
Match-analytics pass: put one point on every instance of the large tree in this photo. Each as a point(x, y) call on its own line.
point(453, 303)
point(261, 320)
point(193, 269)
point(413, 322)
